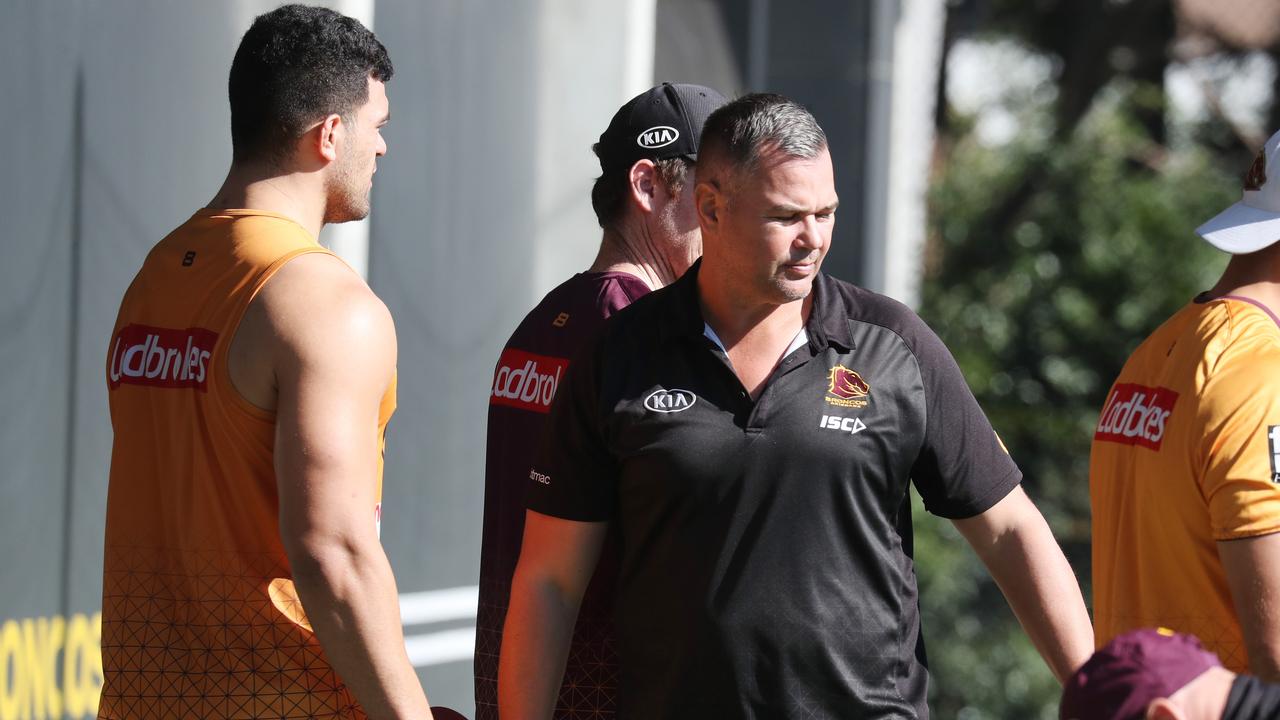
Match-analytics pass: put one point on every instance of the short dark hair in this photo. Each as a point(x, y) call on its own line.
point(296, 65)
point(738, 132)
point(609, 194)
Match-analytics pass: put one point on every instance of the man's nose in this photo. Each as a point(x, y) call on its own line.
point(810, 235)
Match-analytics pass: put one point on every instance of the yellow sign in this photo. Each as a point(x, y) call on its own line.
point(50, 667)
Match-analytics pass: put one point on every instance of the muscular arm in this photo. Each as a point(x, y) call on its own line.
point(557, 560)
point(333, 355)
point(1014, 542)
point(1252, 567)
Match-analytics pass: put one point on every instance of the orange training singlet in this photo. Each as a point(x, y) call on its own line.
point(199, 613)
point(1186, 454)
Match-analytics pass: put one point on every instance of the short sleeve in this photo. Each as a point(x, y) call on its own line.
point(574, 475)
point(963, 468)
point(1239, 416)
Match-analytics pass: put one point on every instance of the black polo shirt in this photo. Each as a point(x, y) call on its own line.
point(766, 566)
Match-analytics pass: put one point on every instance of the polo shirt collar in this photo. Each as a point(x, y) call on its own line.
point(828, 323)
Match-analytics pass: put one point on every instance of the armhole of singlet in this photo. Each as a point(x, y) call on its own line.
point(221, 365)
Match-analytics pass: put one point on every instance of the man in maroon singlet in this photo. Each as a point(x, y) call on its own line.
point(643, 200)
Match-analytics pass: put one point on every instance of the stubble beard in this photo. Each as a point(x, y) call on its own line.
point(347, 196)
point(787, 291)
point(682, 246)
point(349, 208)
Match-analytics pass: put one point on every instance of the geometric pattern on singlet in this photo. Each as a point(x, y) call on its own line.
point(590, 685)
point(550, 334)
point(205, 640)
point(1212, 631)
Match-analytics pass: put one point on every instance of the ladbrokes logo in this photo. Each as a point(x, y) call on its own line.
point(161, 357)
point(527, 381)
point(846, 388)
point(1136, 415)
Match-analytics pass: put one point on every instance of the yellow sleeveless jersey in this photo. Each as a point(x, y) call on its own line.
point(199, 613)
point(1185, 455)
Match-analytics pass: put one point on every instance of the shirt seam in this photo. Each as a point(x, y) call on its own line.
point(623, 286)
point(1254, 303)
point(1244, 534)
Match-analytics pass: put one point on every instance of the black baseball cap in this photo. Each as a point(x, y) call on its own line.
point(662, 122)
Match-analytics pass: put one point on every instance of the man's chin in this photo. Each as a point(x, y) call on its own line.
point(788, 292)
point(348, 214)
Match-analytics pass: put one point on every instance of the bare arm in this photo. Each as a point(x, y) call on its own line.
point(1252, 566)
point(557, 560)
point(333, 359)
point(1014, 542)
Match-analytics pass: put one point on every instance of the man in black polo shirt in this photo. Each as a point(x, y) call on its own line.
point(644, 202)
point(750, 431)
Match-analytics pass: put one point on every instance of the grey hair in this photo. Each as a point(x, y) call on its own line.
point(739, 131)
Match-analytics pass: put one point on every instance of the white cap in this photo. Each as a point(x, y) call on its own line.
point(1253, 223)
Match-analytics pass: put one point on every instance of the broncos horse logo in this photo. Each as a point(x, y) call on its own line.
point(846, 383)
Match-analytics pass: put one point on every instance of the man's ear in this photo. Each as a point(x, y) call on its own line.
point(709, 200)
point(328, 136)
point(643, 181)
point(1164, 709)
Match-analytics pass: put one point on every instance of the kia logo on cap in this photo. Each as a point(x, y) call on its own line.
point(669, 401)
point(656, 137)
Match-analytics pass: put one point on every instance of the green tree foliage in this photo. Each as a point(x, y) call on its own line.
point(1051, 257)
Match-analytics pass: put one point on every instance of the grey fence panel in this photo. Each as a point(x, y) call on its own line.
point(38, 161)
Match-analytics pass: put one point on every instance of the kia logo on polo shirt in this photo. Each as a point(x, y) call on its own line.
point(670, 401)
point(656, 137)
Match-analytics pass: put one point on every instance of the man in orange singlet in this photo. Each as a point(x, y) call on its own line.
point(1184, 475)
point(251, 376)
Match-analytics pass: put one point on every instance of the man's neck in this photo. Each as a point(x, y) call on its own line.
point(755, 335)
point(735, 317)
point(294, 195)
point(1255, 276)
point(636, 252)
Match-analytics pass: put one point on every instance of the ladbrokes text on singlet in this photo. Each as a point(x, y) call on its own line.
point(161, 357)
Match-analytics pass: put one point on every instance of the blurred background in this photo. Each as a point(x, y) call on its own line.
point(1026, 173)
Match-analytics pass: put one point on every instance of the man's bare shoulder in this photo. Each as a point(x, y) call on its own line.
point(317, 318)
point(317, 297)
point(314, 314)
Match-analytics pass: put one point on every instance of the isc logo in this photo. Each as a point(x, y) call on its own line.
point(670, 401)
point(853, 426)
point(656, 137)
